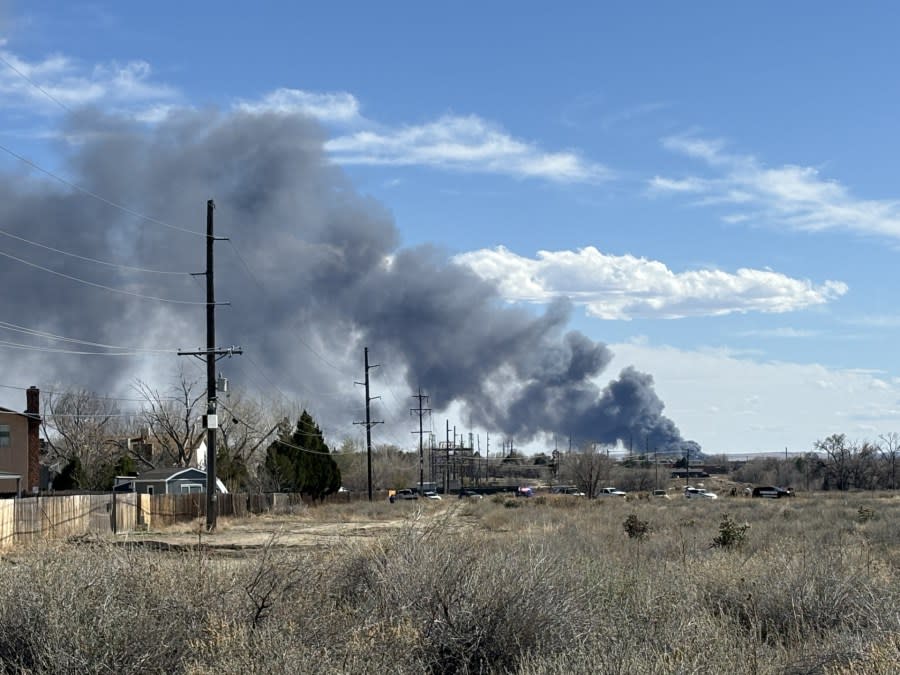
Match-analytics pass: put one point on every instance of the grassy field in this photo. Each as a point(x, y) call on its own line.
point(529, 586)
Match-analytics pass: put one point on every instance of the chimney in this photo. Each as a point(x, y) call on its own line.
point(33, 412)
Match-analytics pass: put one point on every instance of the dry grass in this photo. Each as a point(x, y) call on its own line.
point(545, 586)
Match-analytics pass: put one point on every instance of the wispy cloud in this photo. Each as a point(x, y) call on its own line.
point(794, 196)
point(780, 333)
point(625, 287)
point(631, 113)
point(58, 82)
point(459, 143)
point(467, 143)
point(328, 107)
point(452, 142)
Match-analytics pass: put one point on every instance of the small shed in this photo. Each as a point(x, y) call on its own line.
point(176, 480)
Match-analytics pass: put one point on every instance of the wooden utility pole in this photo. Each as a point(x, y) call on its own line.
point(420, 411)
point(369, 423)
point(210, 353)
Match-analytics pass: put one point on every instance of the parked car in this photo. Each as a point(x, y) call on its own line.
point(610, 492)
point(659, 494)
point(771, 492)
point(567, 490)
point(470, 494)
point(699, 493)
point(431, 495)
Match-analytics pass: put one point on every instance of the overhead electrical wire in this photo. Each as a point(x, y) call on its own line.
point(90, 396)
point(44, 334)
point(36, 85)
point(92, 260)
point(79, 416)
point(299, 338)
point(53, 350)
point(99, 198)
point(135, 214)
point(96, 285)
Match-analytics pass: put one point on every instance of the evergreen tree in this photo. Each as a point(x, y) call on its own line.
point(302, 462)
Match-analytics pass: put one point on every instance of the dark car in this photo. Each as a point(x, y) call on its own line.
point(771, 492)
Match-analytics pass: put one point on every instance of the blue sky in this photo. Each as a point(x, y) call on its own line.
point(714, 186)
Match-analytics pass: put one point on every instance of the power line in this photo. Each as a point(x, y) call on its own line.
point(99, 198)
point(87, 395)
point(256, 280)
point(43, 334)
point(53, 350)
point(319, 393)
point(96, 285)
point(36, 85)
point(78, 416)
point(93, 260)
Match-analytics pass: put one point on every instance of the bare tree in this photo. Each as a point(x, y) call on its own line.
point(587, 468)
point(245, 426)
point(889, 449)
point(85, 431)
point(865, 466)
point(173, 420)
point(839, 457)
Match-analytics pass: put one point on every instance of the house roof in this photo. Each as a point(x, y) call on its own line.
point(28, 415)
point(175, 472)
point(170, 473)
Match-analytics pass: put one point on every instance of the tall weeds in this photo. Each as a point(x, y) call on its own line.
point(481, 589)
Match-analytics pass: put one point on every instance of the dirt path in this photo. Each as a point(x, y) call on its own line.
point(288, 531)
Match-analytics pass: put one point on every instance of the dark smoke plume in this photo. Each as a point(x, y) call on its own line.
point(327, 273)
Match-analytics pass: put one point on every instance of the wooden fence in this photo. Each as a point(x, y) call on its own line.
point(32, 518)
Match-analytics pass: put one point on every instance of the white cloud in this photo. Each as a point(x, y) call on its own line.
point(329, 107)
point(692, 184)
point(462, 143)
point(793, 404)
point(795, 196)
point(779, 333)
point(624, 287)
point(58, 81)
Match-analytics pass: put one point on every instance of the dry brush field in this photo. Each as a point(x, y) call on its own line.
point(528, 586)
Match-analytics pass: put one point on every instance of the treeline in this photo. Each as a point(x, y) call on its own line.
point(837, 463)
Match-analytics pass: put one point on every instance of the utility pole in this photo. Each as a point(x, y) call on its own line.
point(421, 411)
point(369, 423)
point(211, 421)
point(487, 456)
point(447, 460)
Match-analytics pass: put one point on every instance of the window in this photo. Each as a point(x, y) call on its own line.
point(4, 436)
point(191, 488)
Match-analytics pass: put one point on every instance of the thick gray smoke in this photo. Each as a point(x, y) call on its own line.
point(327, 273)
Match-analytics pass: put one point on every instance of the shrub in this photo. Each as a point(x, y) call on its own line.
point(731, 535)
point(864, 514)
point(636, 528)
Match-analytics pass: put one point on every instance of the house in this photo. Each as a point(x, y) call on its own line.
point(20, 446)
point(175, 480)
